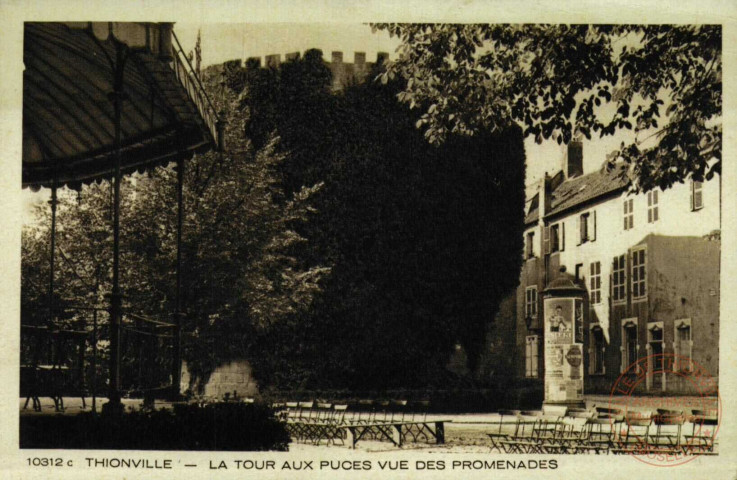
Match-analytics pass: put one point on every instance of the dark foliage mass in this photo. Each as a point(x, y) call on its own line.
point(331, 245)
point(221, 426)
point(422, 241)
point(661, 82)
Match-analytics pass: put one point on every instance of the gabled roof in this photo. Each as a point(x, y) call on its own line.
point(577, 191)
point(534, 210)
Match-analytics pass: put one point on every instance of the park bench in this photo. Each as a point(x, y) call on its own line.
point(382, 421)
point(397, 432)
point(48, 381)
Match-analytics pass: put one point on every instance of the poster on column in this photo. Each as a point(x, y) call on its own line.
point(563, 350)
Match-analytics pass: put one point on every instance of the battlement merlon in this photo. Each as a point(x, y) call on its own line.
point(344, 73)
point(274, 60)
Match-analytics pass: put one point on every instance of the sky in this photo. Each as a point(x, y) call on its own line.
point(229, 41)
point(221, 42)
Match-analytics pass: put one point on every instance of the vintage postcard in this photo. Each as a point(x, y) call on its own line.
point(405, 240)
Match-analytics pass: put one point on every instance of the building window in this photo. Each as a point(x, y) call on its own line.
point(532, 348)
point(652, 206)
point(530, 245)
point(531, 302)
point(629, 346)
point(638, 274)
point(619, 286)
point(557, 237)
point(655, 346)
point(587, 227)
point(697, 195)
point(597, 347)
point(629, 215)
point(579, 272)
point(595, 283)
point(683, 345)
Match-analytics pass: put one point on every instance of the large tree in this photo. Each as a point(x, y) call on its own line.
point(244, 263)
point(423, 241)
point(663, 82)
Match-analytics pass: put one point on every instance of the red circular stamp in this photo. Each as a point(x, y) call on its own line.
point(664, 431)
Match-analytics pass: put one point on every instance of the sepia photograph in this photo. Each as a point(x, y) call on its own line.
point(390, 248)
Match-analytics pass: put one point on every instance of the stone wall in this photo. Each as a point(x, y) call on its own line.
point(236, 376)
point(344, 73)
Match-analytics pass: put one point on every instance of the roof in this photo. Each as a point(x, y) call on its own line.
point(577, 191)
point(68, 117)
point(534, 210)
point(564, 283)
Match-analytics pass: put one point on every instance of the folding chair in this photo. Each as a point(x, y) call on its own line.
point(603, 432)
point(704, 426)
point(525, 438)
point(324, 424)
point(580, 413)
point(332, 429)
point(498, 436)
point(571, 435)
point(419, 409)
point(384, 406)
point(366, 411)
point(417, 429)
point(548, 431)
point(399, 409)
point(667, 435)
point(634, 433)
point(608, 411)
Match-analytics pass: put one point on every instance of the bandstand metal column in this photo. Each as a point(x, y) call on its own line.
point(117, 96)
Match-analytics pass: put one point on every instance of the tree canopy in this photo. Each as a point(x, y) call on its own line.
point(329, 242)
point(663, 82)
point(422, 241)
point(243, 260)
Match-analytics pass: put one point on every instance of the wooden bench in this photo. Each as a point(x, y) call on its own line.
point(395, 432)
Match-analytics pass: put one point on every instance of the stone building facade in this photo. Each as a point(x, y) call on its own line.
point(649, 264)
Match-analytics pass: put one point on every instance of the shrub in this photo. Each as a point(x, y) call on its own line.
point(219, 426)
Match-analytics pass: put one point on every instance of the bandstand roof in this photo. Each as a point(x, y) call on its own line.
point(68, 115)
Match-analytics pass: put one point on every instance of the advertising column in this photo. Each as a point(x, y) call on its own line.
point(563, 350)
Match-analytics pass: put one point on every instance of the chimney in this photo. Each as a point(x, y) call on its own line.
point(291, 56)
point(337, 57)
point(381, 57)
point(545, 191)
point(359, 58)
point(574, 160)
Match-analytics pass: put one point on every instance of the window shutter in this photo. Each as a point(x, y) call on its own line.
point(627, 273)
point(592, 227)
point(697, 199)
point(546, 240)
point(562, 236)
point(579, 223)
point(611, 278)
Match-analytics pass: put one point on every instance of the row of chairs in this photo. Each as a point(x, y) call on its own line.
point(604, 430)
point(361, 411)
point(314, 421)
